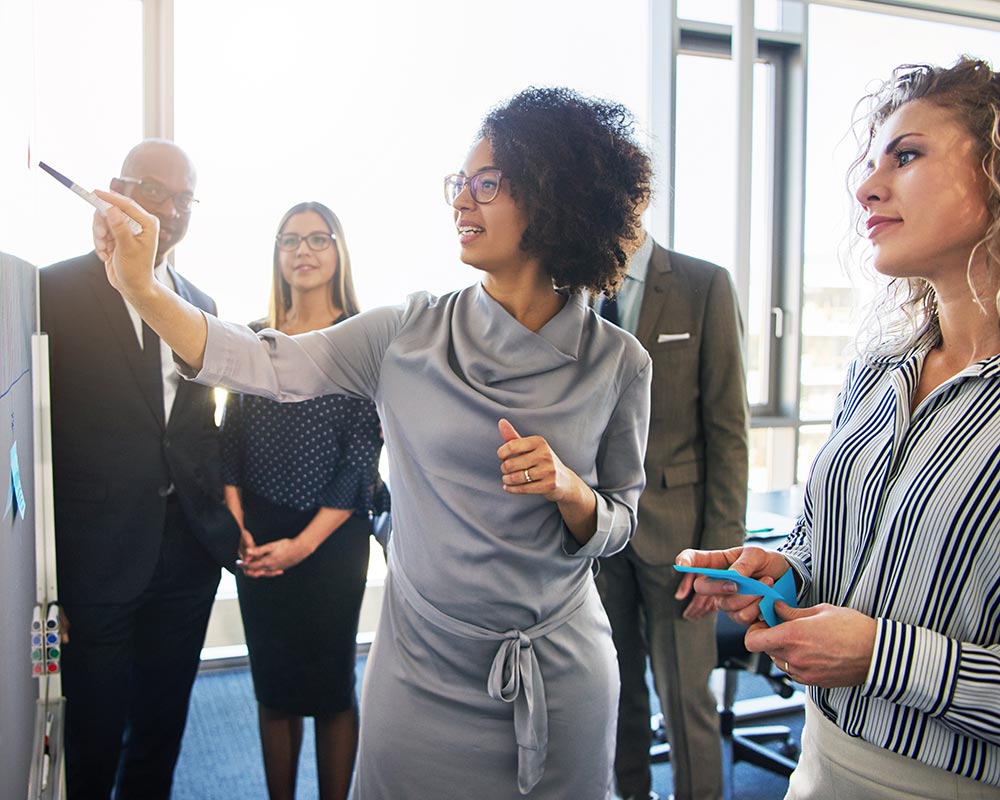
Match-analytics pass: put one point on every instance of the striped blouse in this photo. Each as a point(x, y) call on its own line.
point(902, 522)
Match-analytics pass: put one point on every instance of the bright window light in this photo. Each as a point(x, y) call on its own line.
point(365, 107)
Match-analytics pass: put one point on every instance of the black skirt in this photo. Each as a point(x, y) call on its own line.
point(301, 627)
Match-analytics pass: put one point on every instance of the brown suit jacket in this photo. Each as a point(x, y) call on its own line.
point(696, 459)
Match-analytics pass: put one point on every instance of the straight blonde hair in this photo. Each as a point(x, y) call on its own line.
point(341, 289)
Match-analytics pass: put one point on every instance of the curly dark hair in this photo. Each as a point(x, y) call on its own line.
point(580, 177)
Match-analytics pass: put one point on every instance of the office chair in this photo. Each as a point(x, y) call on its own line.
point(741, 743)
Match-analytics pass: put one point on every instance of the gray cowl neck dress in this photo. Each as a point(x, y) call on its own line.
point(493, 674)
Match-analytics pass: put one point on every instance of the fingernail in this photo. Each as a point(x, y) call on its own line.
point(729, 586)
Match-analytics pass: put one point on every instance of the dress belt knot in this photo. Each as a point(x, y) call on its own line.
point(515, 676)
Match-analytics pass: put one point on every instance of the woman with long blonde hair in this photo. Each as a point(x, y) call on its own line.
point(302, 481)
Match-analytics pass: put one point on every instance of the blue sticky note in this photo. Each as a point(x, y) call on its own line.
point(783, 590)
point(15, 481)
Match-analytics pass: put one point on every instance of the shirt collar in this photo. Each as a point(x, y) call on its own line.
point(638, 264)
point(986, 368)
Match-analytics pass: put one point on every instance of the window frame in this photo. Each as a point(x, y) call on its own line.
point(785, 51)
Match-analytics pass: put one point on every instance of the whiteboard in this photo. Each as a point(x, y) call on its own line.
point(18, 586)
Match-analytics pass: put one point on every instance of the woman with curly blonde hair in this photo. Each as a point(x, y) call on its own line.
point(895, 558)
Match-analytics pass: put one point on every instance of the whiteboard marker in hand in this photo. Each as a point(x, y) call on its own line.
point(101, 205)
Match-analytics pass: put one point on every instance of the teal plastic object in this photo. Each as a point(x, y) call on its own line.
point(783, 590)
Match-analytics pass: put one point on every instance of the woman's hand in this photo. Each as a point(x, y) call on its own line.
point(247, 543)
point(529, 466)
point(272, 559)
point(128, 257)
point(824, 645)
point(753, 562)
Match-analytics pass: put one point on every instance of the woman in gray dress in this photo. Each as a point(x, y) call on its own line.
point(515, 421)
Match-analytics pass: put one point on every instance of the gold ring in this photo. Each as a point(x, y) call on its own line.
point(527, 477)
point(787, 671)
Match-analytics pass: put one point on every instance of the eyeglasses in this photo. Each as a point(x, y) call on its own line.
point(155, 192)
point(316, 240)
point(483, 186)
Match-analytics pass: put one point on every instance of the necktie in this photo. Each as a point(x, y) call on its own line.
point(153, 370)
point(609, 309)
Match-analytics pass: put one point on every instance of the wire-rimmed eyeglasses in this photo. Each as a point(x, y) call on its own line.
point(152, 191)
point(483, 186)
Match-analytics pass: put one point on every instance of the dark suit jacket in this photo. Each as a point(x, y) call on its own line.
point(112, 459)
point(696, 458)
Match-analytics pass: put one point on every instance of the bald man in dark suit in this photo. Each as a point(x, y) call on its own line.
point(140, 525)
point(684, 312)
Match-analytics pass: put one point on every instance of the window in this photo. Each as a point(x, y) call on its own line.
point(705, 192)
point(79, 130)
point(366, 107)
point(707, 205)
point(801, 318)
point(766, 12)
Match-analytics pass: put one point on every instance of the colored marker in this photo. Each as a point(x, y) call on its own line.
point(102, 206)
point(53, 647)
point(37, 643)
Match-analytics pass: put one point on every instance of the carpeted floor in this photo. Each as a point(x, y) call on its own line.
point(221, 758)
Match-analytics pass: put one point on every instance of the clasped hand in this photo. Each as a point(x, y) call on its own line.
point(824, 645)
point(271, 559)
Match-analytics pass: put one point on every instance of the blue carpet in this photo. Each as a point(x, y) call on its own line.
point(221, 758)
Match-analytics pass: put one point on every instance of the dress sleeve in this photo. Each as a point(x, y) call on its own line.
point(620, 474)
point(231, 440)
point(359, 444)
point(343, 359)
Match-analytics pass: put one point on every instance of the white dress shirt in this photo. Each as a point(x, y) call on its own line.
point(171, 380)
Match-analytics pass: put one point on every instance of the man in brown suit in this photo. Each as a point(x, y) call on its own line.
point(684, 311)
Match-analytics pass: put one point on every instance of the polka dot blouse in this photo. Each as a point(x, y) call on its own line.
point(319, 452)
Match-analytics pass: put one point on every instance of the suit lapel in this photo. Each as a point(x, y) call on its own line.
point(184, 387)
point(654, 297)
point(114, 309)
